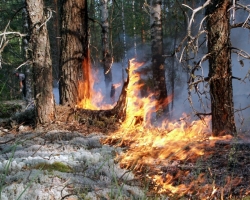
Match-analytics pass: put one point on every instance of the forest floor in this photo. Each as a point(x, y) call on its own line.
point(67, 160)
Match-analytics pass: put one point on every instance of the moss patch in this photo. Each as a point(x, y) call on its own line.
point(56, 166)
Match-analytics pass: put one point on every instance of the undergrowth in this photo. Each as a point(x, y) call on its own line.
point(7, 110)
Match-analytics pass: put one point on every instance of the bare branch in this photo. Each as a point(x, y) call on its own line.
point(189, 47)
point(4, 38)
point(49, 15)
point(237, 78)
point(13, 33)
point(196, 67)
point(188, 7)
point(25, 63)
point(182, 54)
point(242, 24)
point(9, 33)
point(193, 14)
point(246, 20)
point(240, 52)
point(243, 6)
point(237, 5)
point(241, 109)
point(3, 46)
point(4, 42)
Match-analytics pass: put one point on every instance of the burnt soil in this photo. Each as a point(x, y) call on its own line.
point(223, 172)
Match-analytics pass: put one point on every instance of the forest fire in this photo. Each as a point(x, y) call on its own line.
point(89, 98)
point(171, 157)
point(158, 153)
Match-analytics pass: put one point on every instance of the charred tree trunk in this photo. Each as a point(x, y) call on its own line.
point(107, 58)
point(118, 112)
point(220, 69)
point(160, 87)
point(42, 67)
point(74, 49)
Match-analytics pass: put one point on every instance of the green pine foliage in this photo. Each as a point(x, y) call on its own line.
point(12, 54)
point(137, 29)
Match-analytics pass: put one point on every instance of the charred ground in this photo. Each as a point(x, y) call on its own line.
point(223, 172)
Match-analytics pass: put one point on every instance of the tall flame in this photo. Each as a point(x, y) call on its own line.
point(156, 152)
point(85, 91)
point(88, 97)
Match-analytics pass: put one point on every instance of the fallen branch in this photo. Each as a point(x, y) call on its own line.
point(5, 142)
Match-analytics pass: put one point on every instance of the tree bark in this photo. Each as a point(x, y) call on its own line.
point(107, 58)
point(54, 34)
point(74, 49)
point(220, 69)
point(28, 67)
point(160, 88)
point(42, 67)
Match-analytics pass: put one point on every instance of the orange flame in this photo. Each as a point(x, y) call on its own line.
point(158, 151)
point(85, 86)
point(88, 97)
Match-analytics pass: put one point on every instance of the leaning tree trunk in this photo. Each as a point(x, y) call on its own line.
point(107, 58)
point(220, 69)
point(42, 67)
point(74, 49)
point(160, 88)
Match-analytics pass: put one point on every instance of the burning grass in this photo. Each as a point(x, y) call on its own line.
point(180, 164)
point(178, 159)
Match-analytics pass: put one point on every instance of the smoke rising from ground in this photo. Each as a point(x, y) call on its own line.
point(240, 38)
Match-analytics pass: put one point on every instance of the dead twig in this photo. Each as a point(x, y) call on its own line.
point(5, 142)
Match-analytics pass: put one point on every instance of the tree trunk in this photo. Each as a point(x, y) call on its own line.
point(125, 59)
point(39, 41)
point(160, 88)
point(134, 28)
point(220, 69)
point(107, 58)
point(54, 31)
point(28, 69)
point(118, 113)
point(74, 49)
